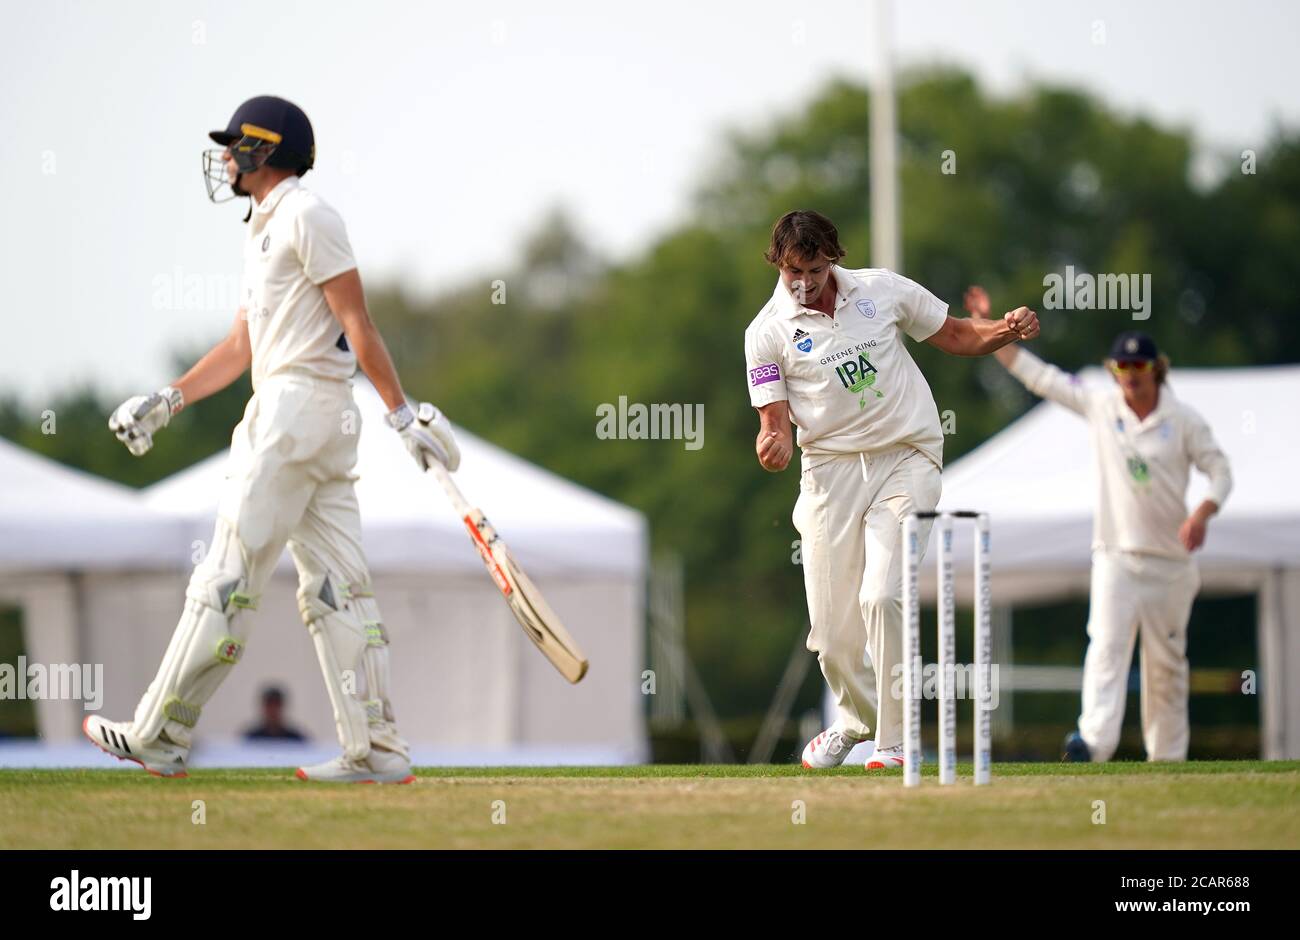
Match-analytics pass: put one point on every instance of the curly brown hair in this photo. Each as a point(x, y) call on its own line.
point(804, 233)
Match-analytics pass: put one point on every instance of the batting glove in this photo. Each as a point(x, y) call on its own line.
point(427, 435)
point(136, 419)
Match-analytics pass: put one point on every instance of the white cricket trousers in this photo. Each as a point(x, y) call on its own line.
point(289, 482)
point(1150, 595)
point(850, 520)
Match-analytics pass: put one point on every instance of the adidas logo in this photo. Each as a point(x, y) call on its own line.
point(798, 335)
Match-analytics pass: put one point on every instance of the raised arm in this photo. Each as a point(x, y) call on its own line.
point(976, 302)
point(1041, 378)
point(979, 337)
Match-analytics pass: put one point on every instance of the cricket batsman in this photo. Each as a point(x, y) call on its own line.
point(828, 352)
point(1144, 444)
point(303, 327)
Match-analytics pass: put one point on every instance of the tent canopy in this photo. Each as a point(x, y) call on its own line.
point(1037, 482)
point(52, 516)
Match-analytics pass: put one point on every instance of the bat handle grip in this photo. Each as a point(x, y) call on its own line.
point(450, 488)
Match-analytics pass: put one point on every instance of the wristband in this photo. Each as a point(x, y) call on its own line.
point(175, 400)
point(400, 418)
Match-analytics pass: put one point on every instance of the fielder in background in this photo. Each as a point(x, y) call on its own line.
point(1144, 442)
point(827, 353)
point(303, 327)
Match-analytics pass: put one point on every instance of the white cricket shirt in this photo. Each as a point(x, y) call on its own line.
point(850, 381)
point(1142, 467)
point(296, 242)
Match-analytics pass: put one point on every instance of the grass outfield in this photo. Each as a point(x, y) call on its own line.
point(1211, 804)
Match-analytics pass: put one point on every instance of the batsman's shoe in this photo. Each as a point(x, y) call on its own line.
point(1076, 749)
point(161, 758)
point(379, 766)
point(886, 758)
point(828, 749)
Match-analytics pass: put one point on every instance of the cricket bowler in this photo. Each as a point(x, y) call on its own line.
point(303, 328)
point(1144, 444)
point(828, 353)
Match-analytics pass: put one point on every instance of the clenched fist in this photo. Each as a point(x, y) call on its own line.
point(774, 450)
point(1022, 321)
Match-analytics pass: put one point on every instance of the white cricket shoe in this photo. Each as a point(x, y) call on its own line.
point(379, 766)
point(828, 749)
point(885, 758)
point(161, 758)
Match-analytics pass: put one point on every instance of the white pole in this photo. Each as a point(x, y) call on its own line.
point(886, 250)
point(911, 654)
point(947, 604)
point(983, 653)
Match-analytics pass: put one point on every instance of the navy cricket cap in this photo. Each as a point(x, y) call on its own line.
point(1133, 346)
point(276, 121)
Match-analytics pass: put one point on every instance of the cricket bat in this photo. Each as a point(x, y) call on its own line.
point(540, 623)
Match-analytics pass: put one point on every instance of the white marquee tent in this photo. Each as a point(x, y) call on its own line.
point(469, 686)
point(1035, 479)
point(61, 529)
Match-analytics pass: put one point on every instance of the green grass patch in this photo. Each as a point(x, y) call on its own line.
point(1205, 804)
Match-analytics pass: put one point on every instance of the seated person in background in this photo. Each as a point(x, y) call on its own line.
point(272, 725)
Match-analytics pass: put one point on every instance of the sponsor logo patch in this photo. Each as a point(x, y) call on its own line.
point(859, 377)
point(761, 375)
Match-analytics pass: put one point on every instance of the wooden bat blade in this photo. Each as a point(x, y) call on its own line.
point(539, 621)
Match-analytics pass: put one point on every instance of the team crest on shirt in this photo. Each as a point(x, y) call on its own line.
point(802, 341)
point(867, 308)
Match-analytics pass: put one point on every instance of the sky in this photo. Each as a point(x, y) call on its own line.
point(445, 133)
